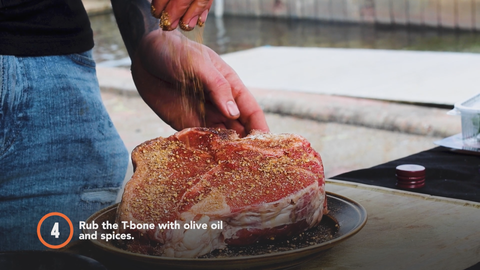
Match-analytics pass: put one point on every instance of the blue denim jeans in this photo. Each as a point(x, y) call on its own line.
point(59, 151)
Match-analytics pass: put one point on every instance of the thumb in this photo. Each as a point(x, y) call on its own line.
point(219, 91)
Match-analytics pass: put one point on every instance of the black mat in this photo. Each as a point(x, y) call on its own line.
point(448, 174)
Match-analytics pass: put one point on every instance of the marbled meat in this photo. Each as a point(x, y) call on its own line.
point(259, 188)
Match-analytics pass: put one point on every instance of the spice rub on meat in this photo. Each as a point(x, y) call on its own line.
point(261, 187)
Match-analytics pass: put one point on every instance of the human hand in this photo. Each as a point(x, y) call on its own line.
point(184, 13)
point(168, 69)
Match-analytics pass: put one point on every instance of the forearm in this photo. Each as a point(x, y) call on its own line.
point(134, 21)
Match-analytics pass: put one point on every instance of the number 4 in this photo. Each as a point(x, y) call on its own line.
point(55, 231)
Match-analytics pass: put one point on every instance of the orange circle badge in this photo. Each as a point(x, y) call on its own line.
point(55, 230)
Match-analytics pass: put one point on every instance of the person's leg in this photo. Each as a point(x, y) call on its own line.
point(59, 151)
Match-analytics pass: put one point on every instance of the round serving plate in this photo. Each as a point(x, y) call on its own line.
point(346, 218)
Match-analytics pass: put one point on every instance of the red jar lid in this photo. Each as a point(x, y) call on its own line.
point(411, 185)
point(410, 170)
point(403, 178)
point(410, 176)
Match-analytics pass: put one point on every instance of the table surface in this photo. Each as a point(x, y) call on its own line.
point(406, 230)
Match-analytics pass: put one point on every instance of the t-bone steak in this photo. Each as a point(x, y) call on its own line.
point(260, 187)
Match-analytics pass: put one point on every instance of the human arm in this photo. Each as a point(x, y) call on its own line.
point(167, 68)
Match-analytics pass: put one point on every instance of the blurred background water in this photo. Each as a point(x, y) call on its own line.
point(235, 33)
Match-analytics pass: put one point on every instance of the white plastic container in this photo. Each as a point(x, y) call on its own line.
point(470, 111)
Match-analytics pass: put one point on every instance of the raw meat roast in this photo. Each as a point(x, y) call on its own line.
point(260, 188)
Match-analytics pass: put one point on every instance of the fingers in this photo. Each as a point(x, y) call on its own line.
point(236, 103)
point(196, 14)
point(214, 119)
point(228, 93)
point(251, 115)
point(184, 13)
point(157, 7)
point(219, 92)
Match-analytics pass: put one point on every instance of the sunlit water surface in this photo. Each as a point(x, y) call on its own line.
point(231, 34)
